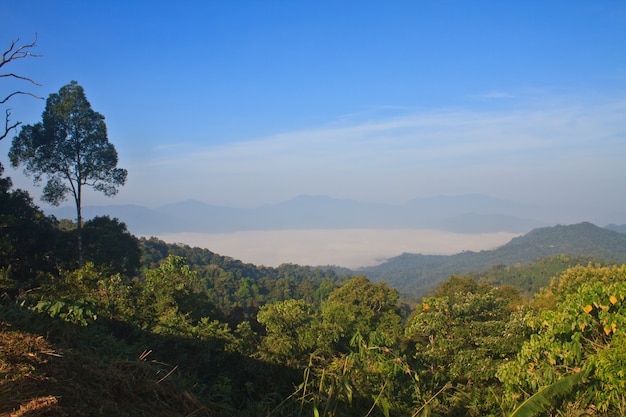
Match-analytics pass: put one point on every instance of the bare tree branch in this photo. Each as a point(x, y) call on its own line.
point(19, 92)
point(20, 77)
point(7, 126)
point(13, 53)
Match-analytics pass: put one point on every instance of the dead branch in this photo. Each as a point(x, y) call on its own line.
point(7, 126)
point(20, 77)
point(12, 53)
point(19, 52)
point(26, 93)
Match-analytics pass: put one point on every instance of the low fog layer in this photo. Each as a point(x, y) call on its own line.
point(348, 248)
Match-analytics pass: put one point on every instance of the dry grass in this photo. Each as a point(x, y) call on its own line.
point(36, 407)
point(38, 379)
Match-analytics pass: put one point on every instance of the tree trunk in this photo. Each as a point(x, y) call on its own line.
point(79, 219)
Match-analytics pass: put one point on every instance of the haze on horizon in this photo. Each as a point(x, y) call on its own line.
point(354, 248)
point(249, 103)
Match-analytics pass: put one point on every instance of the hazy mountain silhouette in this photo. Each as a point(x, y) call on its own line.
point(462, 214)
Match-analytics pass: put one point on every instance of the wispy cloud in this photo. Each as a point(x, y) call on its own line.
point(534, 149)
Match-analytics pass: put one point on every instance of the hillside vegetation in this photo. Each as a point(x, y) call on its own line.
point(584, 242)
point(139, 327)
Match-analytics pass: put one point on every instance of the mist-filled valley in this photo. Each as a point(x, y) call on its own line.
point(351, 248)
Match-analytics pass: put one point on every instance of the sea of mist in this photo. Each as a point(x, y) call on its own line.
point(351, 248)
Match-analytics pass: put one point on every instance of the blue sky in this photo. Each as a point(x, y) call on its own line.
point(244, 103)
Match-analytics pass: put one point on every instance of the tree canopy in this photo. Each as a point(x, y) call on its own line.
point(71, 149)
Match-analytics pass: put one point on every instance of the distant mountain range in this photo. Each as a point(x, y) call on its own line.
point(617, 228)
point(417, 274)
point(472, 213)
point(414, 274)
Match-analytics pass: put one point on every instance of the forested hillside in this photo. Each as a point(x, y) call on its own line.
point(238, 289)
point(139, 327)
point(617, 228)
point(419, 274)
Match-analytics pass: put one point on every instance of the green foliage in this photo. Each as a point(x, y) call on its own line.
point(530, 278)
point(71, 149)
point(166, 295)
point(547, 396)
point(379, 378)
point(108, 244)
point(362, 307)
point(352, 366)
point(458, 286)
point(114, 296)
point(238, 290)
point(88, 288)
point(79, 312)
point(610, 369)
point(571, 279)
point(583, 333)
point(27, 237)
point(460, 339)
point(70, 145)
point(369, 381)
point(293, 333)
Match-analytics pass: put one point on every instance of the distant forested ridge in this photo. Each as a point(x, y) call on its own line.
point(617, 228)
point(418, 274)
point(526, 262)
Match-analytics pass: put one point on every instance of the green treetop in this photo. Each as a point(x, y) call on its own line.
point(71, 148)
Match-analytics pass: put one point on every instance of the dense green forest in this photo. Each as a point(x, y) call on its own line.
point(143, 327)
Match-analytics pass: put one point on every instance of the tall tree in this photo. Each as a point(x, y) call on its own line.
point(71, 148)
point(11, 54)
